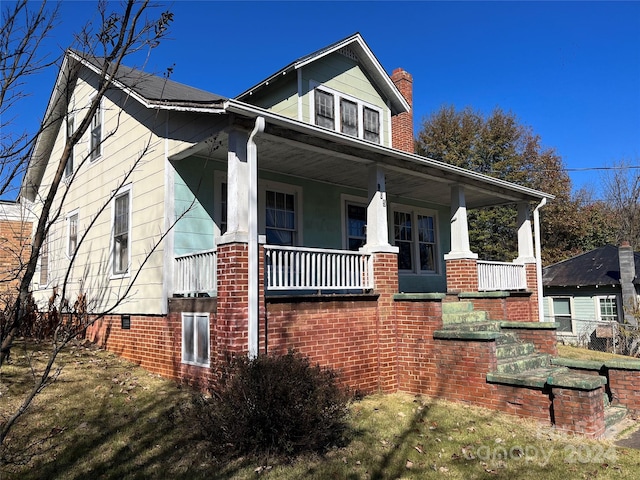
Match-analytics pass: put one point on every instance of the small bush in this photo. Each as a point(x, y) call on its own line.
point(274, 404)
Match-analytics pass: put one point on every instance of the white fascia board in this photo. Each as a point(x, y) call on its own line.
point(235, 106)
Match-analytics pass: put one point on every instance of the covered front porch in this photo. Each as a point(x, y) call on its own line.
point(308, 211)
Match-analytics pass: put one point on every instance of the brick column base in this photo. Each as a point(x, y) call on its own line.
point(462, 275)
point(579, 411)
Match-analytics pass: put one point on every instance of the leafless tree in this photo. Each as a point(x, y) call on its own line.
point(107, 42)
point(621, 188)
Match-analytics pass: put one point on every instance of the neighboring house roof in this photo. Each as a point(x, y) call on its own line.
point(367, 60)
point(596, 267)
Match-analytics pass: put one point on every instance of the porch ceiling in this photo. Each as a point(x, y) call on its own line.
point(339, 160)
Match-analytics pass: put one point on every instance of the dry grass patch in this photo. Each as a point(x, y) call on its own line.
point(106, 418)
point(577, 353)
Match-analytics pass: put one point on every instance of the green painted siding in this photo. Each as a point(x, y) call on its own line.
point(337, 72)
point(322, 216)
point(280, 98)
point(194, 232)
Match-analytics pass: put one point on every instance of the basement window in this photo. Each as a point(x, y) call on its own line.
point(195, 339)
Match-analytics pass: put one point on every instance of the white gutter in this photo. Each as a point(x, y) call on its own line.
point(252, 249)
point(536, 230)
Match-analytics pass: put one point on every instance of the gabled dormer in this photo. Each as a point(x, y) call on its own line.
point(343, 88)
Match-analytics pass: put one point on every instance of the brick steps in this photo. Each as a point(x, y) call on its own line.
point(518, 363)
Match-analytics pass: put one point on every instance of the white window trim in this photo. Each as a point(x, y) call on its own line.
point(553, 314)
point(336, 110)
point(415, 270)
point(606, 297)
point(282, 188)
point(73, 213)
point(126, 189)
point(344, 200)
point(195, 315)
point(89, 131)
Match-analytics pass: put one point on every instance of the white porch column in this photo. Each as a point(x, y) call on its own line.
point(525, 235)
point(238, 189)
point(460, 247)
point(377, 224)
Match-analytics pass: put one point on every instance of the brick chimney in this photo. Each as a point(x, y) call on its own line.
point(627, 275)
point(402, 123)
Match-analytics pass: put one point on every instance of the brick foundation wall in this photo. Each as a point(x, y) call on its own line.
point(416, 363)
point(154, 343)
point(341, 334)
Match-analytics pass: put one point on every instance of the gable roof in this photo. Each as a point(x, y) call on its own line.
point(367, 60)
point(596, 267)
point(151, 90)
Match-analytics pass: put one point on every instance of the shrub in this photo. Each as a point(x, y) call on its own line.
point(274, 404)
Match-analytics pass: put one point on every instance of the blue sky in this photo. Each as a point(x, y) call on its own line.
point(570, 70)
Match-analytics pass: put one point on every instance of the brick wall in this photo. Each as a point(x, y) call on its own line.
point(462, 275)
point(625, 387)
point(544, 339)
point(15, 238)
point(416, 364)
point(154, 343)
point(340, 333)
point(579, 411)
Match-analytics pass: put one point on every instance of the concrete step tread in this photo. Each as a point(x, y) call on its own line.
point(536, 377)
point(523, 363)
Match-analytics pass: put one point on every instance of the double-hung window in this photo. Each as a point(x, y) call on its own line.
point(195, 339)
point(280, 218)
point(95, 134)
point(608, 308)
point(324, 109)
point(562, 314)
point(346, 114)
point(72, 233)
point(121, 232)
point(415, 236)
point(349, 117)
point(371, 125)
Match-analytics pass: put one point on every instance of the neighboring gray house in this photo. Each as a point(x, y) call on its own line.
point(585, 291)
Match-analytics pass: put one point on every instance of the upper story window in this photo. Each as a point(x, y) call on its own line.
point(95, 140)
point(72, 233)
point(325, 111)
point(71, 127)
point(345, 114)
point(371, 125)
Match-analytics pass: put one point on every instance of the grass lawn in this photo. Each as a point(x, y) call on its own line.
point(106, 418)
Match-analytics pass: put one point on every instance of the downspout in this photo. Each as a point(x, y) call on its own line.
point(536, 230)
point(253, 273)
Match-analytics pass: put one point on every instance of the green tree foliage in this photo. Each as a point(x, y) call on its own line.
point(500, 146)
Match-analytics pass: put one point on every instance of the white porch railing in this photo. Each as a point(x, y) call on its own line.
point(195, 274)
point(299, 268)
point(493, 276)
